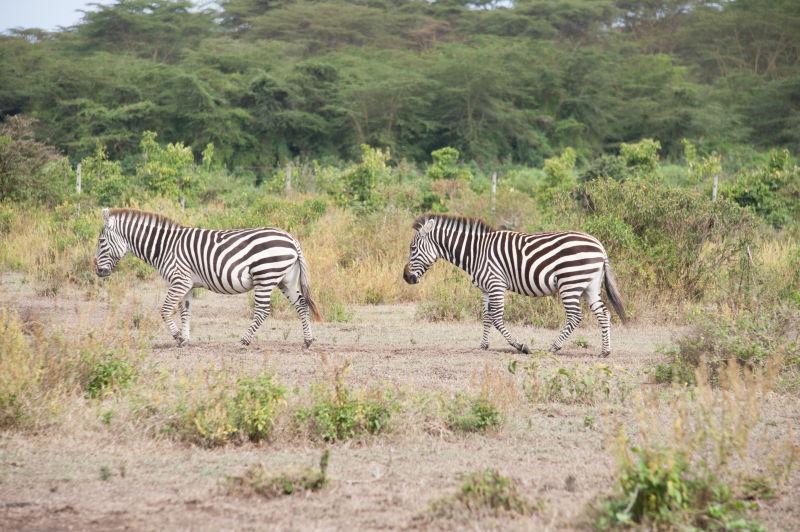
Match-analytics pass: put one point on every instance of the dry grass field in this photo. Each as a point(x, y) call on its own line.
point(103, 466)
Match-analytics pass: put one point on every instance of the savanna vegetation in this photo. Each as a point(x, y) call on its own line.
point(668, 129)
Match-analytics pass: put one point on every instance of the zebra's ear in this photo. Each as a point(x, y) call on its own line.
point(426, 227)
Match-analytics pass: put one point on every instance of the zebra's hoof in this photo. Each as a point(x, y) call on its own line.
point(245, 342)
point(524, 348)
point(183, 342)
point(554, 349)
point(605, 354)
point(308, 343)
point(485, 346)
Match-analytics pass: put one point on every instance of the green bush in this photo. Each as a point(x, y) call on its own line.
point(31, 170)
point(247, 412)
point(749, 339)
point(669, 238)
point(110, 374)
point(472, 414)
point(337, 413)
point(771, 191)
point(362, 179)
point(445, 165)
point(658, 489)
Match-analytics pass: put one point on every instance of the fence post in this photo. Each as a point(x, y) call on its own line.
point(288, 177)
point(714, 190)
point(494, 190)
point(78, 179)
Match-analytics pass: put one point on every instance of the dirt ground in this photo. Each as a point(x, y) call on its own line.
point(53, 480)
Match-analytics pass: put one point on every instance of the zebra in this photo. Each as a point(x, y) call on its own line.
point(569, 263)
point(223, 261)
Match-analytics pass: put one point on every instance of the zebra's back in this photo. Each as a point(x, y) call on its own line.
point(229, 261)
point(539, 264)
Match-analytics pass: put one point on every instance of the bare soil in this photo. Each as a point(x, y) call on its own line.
point(562, 454)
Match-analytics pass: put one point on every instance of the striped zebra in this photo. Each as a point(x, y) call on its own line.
point(226, 262)
point(569, 263)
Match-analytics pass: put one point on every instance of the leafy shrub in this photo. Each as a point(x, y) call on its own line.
point(670, 238)
point(687, 468)
point(484, 493)
point(640, 157)
point(247, 412)
point(337, 413)
point(258, 480)
point(472, 414)
point(749, 339)
point(104, 180)
point(571, 385)
point(772, 191)
point(658, 488)
point(109, 374)
point(30, 169)
point(166, 171)
point(39, 373)
point(361, 180)
point(445, 165)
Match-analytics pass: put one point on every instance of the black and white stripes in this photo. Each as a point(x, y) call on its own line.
point(227, 262)
point(569, 263)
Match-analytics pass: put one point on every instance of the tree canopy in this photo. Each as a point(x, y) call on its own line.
point(270, 80)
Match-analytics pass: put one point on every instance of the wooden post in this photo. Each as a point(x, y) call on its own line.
point(714, 190)
point(494, 190)
point(78, 179)
point(288, 178)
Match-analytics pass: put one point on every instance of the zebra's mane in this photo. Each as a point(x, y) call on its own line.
point(148, 217)
point(461, 221)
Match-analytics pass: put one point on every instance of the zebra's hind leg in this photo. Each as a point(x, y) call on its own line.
point(487, 322)
point(186, 315)
point(175, 293)
point(601, 313)
point(261, 310)
point(496, 307)
point(572, 305)
point(290, 286)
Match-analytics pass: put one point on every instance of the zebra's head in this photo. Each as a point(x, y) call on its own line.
point(111, 247)
point(423, 252)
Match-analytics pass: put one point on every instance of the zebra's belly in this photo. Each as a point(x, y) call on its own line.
point(239, 283)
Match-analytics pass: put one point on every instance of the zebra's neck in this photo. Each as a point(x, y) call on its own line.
point(461, 242)
point(149, 238)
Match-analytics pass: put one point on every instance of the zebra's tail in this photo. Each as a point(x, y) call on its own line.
point(613, 291)
point(305, 289)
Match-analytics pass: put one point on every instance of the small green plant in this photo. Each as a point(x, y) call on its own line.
point(571, 385)
point(106, 417)
point(472, 414)
point(258, 480)
point(338, 413)
point(245, 413)
point(481, 494)
point(111, 373)
point(105, 473)
point(659, 489)
point(582, 342)
point(445, 165)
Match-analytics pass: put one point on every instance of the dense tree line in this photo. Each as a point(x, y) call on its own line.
point(502, 81)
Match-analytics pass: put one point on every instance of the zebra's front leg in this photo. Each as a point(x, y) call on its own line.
point(175, 293)
point(572, 305)
point(496, 308)
point(487, 322)
point(186, 315)
point(261, 311)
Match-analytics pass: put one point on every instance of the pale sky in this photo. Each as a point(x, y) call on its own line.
point(43, 14)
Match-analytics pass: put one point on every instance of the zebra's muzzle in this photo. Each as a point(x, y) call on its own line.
point(103, 272)
point(409, 277)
